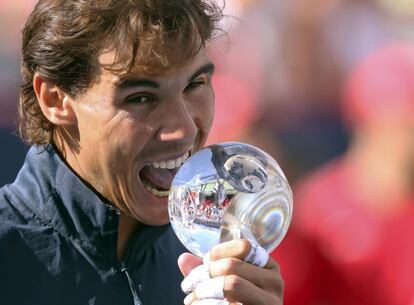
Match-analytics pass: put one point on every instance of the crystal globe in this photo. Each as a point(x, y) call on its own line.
point(228, 191)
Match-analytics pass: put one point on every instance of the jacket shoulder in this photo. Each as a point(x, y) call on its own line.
point(11, 217)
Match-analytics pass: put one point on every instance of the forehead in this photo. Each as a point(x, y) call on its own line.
point(108, 58)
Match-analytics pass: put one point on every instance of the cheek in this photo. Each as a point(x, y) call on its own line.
point(111, 140)
point(95, 123)
point(205, 111)
point(131, 133)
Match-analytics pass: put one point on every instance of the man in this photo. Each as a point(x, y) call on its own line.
point(116, 95)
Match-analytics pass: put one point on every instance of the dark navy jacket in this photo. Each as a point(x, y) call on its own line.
point(58, 244)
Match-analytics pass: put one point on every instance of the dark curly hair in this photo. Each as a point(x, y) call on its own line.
point(62, 40)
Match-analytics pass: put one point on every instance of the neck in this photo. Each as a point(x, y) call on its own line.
point(68, 147)
point(127, 228)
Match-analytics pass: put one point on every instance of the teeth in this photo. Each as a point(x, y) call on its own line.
point(171, 164)
point(156, 192)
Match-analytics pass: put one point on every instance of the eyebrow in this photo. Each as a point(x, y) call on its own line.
point(206, 69)
point(128, 82)
point(124, 83)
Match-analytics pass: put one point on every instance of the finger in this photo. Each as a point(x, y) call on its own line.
point(187, 262)
point(209, 289)
point(237, 289)
point(211, 302)
point(264, 278)
point(243, 250)
point(214, 302)
point(233, 289)
point(197, 275)
point(240, 291)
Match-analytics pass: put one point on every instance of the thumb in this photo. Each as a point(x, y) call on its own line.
point(187, 262)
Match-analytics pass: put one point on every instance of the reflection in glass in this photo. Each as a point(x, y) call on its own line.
point(227, 191)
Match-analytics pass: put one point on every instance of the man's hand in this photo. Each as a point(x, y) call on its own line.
point(241, 281)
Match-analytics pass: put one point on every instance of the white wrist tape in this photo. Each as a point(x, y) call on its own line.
point(197, 275)
point(211, 302)
point(257, 256)
point(206, 258)
point(211, 289)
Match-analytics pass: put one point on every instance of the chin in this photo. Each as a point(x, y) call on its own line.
point(152, 218)
point(158, 222)
point(162, 219)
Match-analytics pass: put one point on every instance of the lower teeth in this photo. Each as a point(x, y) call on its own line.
point(155, 191)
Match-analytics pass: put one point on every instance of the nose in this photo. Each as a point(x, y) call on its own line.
point(177, 123)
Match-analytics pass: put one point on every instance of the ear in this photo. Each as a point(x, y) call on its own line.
point(56, 105)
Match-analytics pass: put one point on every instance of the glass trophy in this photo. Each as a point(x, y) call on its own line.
point(229, 191)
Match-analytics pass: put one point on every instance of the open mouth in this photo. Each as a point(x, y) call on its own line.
point(158, 176)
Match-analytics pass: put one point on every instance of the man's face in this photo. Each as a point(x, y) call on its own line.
point(130, 127)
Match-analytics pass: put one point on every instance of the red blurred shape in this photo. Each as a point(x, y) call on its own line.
point(382, 85)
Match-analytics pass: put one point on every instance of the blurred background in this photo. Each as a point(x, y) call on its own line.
point(327, 88)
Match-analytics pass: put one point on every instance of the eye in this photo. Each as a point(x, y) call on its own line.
point(196, 84)
point(139, 99)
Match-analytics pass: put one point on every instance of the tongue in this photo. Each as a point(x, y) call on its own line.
point(161, 178)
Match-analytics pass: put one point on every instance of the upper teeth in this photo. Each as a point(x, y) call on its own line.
point(171, 164)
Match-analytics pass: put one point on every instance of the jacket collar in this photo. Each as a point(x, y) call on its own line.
point(59, 199)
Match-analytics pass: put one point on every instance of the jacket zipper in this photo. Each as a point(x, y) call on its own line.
point(137, 301)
